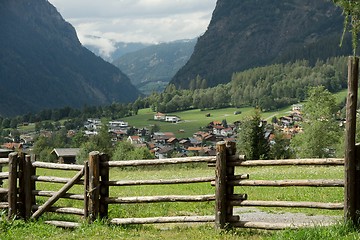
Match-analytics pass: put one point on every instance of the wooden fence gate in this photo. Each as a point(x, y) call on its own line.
point(93, 179)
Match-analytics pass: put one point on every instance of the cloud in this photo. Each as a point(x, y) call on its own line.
point(148, 21)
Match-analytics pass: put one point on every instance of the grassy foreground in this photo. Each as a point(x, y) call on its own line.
point(21, 230)
point(101, 230)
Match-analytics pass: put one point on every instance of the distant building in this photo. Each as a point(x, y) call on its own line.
point(135, 140)
point(297, 107)
point(120, 124)
point(66, 155)
point(159, 116)
point(173, 119)
point(167, 118)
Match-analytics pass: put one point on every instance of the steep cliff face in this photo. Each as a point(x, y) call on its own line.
point(249, 33)
point(43, 64)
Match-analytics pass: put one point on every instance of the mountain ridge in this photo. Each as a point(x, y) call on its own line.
point(251, 33)
point(43, 64)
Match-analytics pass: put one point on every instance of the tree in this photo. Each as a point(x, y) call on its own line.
point(321, 134)
point(100, 142)
point(280, 146)
point(351, 11)
point(126, 151)
point(251, 141)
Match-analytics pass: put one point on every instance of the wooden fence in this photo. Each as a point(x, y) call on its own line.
point(93, 178)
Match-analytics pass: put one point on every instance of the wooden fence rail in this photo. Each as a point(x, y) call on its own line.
point(94, 177)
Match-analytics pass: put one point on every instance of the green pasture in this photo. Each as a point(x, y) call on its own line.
point(194, 120)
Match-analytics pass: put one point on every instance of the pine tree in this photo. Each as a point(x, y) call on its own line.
point(252, 142)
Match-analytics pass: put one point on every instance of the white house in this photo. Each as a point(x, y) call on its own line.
point(135, 139)
point(297, 107)
point(173, 119)
point(93, 124)
point(118, 124)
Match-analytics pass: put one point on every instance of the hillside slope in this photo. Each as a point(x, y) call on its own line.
point(43, 65)
point(250, 33)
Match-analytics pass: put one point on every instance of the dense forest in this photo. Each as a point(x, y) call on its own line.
point(268, 88)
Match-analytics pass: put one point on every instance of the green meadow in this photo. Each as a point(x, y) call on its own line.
point(194, 120)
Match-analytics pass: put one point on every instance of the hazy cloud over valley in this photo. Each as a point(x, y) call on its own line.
point(102, 23)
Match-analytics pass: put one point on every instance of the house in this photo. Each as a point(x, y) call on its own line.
point(286, 120)
point(93, 124)
point(117, 125)
point(167, 118)
point(12, 146)
point(119, 134)
point(172, 141)
point(195, 141)
point(297, 107)
point(164, 152)
point(135, 139)
point(159, 116)
point(200, 151)
point(185, 143)
point(66, 155)
point(226, 132)
point(217, 129)
point(163, 136)
point(204, 136)
point(173, 119)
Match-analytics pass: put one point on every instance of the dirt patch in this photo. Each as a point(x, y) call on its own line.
point(253, 214)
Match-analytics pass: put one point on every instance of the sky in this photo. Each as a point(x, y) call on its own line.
point(102, 22)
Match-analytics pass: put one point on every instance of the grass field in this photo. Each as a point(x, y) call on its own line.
point(100, 230)
point(193, 120)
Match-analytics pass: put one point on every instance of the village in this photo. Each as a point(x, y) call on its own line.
point(165, 144)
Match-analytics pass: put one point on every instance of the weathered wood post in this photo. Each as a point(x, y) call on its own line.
point(12, 193)
point(350, 165)
point(104, 187)
point(29, 186)
point(86, 189)
point(94, 185)
point(230, 175)
point(220, 186)
point(21, 176)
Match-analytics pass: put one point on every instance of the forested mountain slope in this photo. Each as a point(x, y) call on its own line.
point(43, 65)
point(250, 33)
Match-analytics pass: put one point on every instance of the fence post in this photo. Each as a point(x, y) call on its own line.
point(350, 158)
point(86, 189)
point(230, 173)
point(220, 186)
point(29, 186)
point(104, 188)
point(21, 176)
point(12, 193)
point(94, 185)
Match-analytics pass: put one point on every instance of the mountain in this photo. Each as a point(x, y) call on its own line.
point(117, 49)
point(43, 65)
point(152, 68)
point(250, 33)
